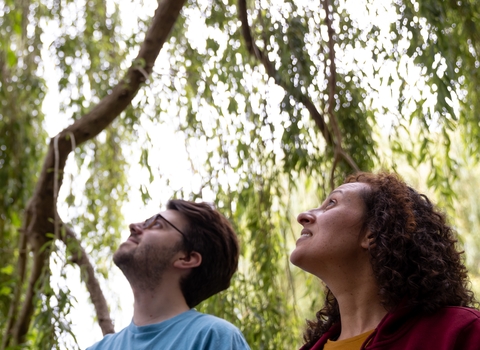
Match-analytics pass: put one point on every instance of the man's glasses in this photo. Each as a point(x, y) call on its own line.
point(150, 222)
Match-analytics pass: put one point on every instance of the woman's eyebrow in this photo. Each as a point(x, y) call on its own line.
point(335, 191)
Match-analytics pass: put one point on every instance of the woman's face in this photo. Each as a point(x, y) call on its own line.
point(332, 239)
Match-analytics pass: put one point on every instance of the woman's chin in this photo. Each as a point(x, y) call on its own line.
point(295, 258)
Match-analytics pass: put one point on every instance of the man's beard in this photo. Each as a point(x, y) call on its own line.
point(145, 265)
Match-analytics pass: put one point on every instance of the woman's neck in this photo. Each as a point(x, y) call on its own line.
point(360, 308)
point(356, 290)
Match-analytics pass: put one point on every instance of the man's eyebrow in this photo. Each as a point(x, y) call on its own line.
point(159, 217)
point(165, 221)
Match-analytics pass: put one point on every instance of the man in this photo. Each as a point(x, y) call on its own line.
point(173, 261)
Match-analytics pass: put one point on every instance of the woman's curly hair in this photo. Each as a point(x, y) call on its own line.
point(413, 253)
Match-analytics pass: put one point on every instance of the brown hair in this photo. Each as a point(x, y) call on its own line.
point(210, 234)
point(413, 253)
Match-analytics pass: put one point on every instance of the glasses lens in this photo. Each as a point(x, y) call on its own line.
point(149, 222)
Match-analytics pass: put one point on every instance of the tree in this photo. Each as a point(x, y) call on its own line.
point(354, 94)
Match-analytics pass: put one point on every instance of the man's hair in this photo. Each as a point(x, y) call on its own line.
point(209, 233)
point(413, 253)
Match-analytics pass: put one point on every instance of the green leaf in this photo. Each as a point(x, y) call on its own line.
point(7, 270)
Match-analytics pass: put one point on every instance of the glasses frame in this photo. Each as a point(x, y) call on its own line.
point(150, 222)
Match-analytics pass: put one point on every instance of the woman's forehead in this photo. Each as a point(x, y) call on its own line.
point(352, 187)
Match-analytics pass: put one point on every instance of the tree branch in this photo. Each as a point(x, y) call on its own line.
point(87, 273)
point(339, 152)
point(21, 266)
point(255, 51)
point(332, 76)
point(319, 119)
point(40, 260)
point(40, 212)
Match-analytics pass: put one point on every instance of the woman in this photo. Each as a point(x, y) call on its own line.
point(394, 278)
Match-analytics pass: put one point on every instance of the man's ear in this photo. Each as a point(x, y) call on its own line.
point(188, 261)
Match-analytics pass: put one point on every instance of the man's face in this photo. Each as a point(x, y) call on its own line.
point(151, 248)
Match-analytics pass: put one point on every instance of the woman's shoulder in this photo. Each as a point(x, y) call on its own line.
point(461, 312)
point(450, 327)
point(448, 317)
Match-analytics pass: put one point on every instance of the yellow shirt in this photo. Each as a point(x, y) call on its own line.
point(354, 343)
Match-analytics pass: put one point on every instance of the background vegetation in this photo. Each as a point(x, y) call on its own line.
point(272, 101)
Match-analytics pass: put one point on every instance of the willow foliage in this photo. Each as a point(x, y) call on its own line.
point(276, 102)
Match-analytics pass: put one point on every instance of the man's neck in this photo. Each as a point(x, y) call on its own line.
point(157, 305)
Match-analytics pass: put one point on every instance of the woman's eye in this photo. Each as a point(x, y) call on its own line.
point(331, 202)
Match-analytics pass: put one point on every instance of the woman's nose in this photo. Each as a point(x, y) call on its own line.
point(305, 218)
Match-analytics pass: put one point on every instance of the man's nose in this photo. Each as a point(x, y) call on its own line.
point(305, 218)
point(136, 228)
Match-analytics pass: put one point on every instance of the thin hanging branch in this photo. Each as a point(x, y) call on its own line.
point(339, 152)
point(255, 51)
point(79, 257)
point(39, 213)
point(332, 74)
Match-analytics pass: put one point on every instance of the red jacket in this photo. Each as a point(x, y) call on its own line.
point(450, 328)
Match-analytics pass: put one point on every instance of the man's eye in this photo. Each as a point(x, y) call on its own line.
point(157, 223)
point(152, 222)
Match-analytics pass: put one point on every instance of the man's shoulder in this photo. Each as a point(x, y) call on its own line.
point(211, 332)
point(189, 330)
point(109, 340)
point(210, 321)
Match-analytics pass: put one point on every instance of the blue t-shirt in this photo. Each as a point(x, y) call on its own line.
point(190, 330)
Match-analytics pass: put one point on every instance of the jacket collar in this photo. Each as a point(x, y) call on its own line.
point(396, 321)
